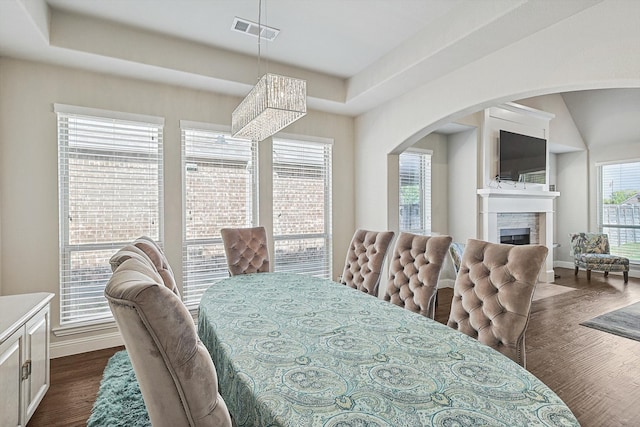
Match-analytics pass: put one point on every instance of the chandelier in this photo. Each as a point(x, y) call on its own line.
point(274, 102)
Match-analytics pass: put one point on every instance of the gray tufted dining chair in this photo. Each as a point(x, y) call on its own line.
point(414, 271)
point(177, 377)
point(246, 250)
point(151, 248)
point(365, 260)
point(492, 294)
point(147, 250)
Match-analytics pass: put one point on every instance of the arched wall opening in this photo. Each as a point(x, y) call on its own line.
point(593, 50)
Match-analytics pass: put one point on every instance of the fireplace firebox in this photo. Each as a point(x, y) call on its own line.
point(515, 236)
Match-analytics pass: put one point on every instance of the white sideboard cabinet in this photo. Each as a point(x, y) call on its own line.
point(24, 355)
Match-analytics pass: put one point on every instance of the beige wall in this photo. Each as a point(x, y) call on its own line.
point(572, 175)
point(563, 134)
point(463, 158)
point(28, 166)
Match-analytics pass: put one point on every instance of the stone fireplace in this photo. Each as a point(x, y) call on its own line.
point(503, 210)
point(509, 223)
point(515, 236)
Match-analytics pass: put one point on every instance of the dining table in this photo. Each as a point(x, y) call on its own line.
point(296, 350)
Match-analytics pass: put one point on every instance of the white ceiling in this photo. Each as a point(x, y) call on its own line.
point(336, 37)
point(355, 54)
point(606, 115)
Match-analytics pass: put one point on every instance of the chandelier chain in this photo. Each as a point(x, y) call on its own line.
point(259, 34)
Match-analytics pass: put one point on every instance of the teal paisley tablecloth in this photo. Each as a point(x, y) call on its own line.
point(292, 350)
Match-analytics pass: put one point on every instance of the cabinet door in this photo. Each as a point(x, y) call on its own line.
point(10, 379)
point(37, 351)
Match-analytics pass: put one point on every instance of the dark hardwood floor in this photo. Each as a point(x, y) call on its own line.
point(74, 386)
point(597, 374)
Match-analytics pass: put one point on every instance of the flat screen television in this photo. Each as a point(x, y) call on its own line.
point(522, 158)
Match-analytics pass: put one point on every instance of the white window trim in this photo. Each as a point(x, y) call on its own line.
point(58, 108)
point(417, 151)
point(189, 124)
point(600, 193)
point(617, 162)
point(97, 112)
point(216, 128)
point(599, 190)
point(64, 331)
point(318, 141)
point(303, 138)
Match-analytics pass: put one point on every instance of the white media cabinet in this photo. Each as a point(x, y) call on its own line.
point(24, 355)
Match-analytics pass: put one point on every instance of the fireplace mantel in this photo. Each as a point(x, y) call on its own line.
point(517, 192)
point(497, 201)
point(499, 193)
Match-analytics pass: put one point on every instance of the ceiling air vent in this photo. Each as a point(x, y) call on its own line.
point(251, 28)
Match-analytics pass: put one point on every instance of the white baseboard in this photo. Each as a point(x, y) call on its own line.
point(85, 344)
point(564, 264)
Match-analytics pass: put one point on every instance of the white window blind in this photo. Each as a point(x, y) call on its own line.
point(415, 192)
point(302, 207)
point(111, 192)
point(220, 188)
point(619, 202)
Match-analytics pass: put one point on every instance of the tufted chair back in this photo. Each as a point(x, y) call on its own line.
point(148, 251)
point(492, 294)
point(414, 272)
point(175, 372)
point(365, 259)
point(128, 252)
point(246, 250)
point(160, 262)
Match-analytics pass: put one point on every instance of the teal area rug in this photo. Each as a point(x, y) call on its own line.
point(624, 322)
point(119, 401)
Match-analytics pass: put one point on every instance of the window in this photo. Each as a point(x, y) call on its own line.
point(110, 184)
point(302, 207)
point(619, 213)
point(415, 192)
point(220, 187)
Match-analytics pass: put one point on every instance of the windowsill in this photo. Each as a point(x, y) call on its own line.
point(63, 331)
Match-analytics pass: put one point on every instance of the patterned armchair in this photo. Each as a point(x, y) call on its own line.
point(591, 252)
point(456, 250)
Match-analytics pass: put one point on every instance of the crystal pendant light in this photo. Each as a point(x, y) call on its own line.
point(274, 102)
